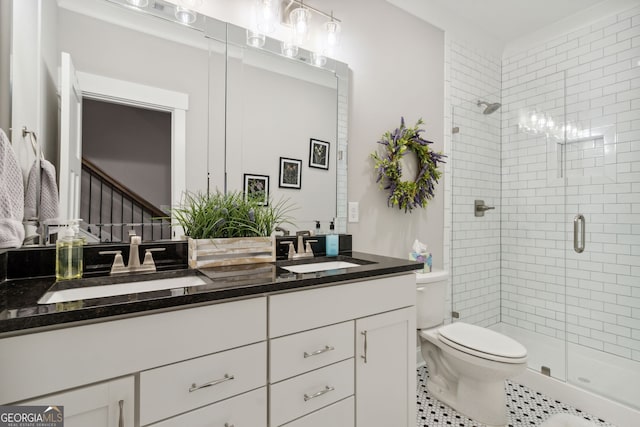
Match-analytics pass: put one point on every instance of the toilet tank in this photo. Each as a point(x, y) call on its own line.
point(431, 294)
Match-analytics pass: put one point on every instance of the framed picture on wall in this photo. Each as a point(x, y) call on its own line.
point(290, 173)
point(318, 154)
point(256, 187)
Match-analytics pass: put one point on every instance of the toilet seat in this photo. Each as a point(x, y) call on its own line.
point(482, 342)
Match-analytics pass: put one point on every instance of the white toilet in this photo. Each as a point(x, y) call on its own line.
point(467, 364)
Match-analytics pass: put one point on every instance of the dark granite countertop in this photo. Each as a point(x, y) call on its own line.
point(21, 313)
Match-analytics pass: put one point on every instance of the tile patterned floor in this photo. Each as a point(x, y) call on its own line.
point(525, 407)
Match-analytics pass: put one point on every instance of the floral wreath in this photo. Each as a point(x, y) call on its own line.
point(407, 195)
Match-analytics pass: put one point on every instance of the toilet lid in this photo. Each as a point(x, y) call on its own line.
point(482, 340)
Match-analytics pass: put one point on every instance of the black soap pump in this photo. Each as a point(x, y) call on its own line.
point(318, 232)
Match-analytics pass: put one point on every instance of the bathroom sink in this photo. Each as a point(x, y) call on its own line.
point(319, 266)
point(88, 292)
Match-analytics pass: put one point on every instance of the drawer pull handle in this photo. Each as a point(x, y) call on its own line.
point(326, 390)
point(121, 413)
point(317, 352)
point(228, 425)
point(226, 378)
point(364, 333)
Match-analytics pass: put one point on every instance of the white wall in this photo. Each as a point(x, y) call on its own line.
point(272, 115)
point(397, 69)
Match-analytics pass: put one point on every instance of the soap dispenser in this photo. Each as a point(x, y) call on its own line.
point(332, 239)
point(318, 231)
point(69, 252)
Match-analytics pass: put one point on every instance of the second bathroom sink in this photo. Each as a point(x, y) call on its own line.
point(319, 266)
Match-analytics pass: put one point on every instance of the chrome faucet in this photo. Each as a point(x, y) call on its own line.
point(134, 265)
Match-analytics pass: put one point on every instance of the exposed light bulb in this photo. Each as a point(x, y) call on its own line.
point(255, 39)
point(300, 22)
point(138, 3)
point(267, 12)
point(333, 33)
point(184, 15)
point(289, 49)
point(318, 59)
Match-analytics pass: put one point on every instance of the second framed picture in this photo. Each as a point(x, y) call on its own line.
point(290, 173)
point(318, 154)
point(256, 187)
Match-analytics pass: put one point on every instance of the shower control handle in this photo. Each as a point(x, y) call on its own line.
point(578, 242)
point(481, 208)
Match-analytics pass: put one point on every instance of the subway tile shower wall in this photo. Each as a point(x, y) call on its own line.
point(595, 68)
point(510, 265)
point(474, 156)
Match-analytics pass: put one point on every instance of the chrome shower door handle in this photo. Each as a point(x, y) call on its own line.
point(578, 242)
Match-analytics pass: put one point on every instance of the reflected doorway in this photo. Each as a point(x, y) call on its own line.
point(126, 172)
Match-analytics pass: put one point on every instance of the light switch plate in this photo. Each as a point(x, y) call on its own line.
point(354, 211)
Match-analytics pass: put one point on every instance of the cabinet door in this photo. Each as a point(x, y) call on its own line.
point(385, 369)
point(109, 404)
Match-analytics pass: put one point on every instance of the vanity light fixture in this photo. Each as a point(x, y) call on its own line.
point(138, 3)
point(318, 59)
point(299, 19)
point(255, 39)
point(332, 29)
point(266, 13)
point(289, 49)
point(298, 16)
point(184, 15)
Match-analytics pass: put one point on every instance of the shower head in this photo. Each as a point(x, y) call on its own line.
point(489, 108)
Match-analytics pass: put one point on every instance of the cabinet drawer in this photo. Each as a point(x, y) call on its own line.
point(340, 414)
point(177, 388)
point(247, 410)
point(309, 392)
point(306, 351)
point(302, 310)
point(101, 351)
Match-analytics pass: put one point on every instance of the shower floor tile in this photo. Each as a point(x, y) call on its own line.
point(525, 407)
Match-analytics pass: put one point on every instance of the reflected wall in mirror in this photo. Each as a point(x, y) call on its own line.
point(118, 51)
point(275, 107)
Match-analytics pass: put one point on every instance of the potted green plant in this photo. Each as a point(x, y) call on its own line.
point(230, 229)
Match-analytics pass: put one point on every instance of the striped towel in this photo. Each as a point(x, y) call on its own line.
point(11, 196)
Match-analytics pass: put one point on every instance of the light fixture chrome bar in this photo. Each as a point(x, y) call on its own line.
point(306, 6)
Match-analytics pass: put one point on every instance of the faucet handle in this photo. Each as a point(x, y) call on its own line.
point(292, 250)
point(118, 262)
point(308, 249)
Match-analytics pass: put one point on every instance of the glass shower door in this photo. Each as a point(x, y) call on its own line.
point(601, 173)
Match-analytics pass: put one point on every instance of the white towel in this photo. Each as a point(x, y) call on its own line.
point(11, 196)
point(48, 192)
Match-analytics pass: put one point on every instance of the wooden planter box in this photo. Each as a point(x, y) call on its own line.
point(231, 251)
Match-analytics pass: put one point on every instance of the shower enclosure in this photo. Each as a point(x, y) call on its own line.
point(557, 264)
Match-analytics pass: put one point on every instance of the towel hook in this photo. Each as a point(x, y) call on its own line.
point(34, 141)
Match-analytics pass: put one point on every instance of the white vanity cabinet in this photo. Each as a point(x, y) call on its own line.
point(336, 355)
point(358, 339)
point(108, 404)
point(166, 353)
point(385, 358)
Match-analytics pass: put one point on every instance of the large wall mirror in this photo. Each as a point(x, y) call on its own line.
point(192, 107)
